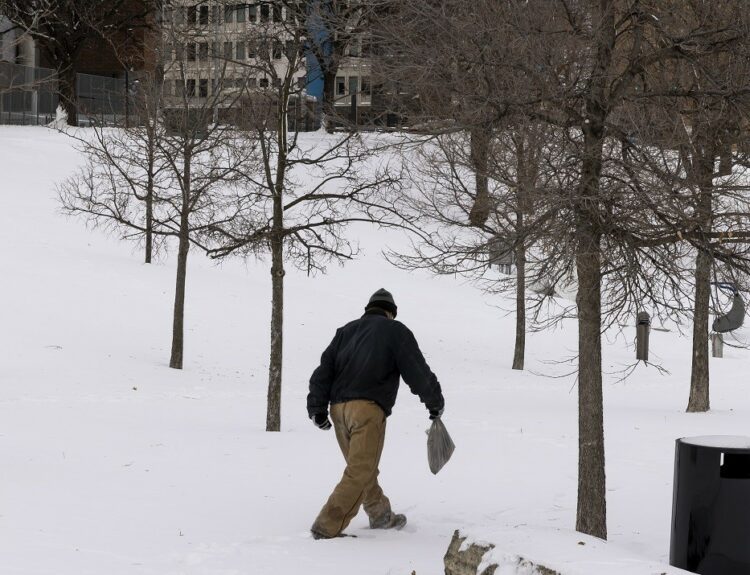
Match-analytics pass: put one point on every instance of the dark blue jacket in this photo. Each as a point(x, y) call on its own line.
point(365, 360)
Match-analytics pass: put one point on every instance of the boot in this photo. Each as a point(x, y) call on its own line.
point(317, 535)
point(388, 521)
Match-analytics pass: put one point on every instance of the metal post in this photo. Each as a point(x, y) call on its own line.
point(642, 328)
point(216, 46)
point(127, 107)
point(717, 345)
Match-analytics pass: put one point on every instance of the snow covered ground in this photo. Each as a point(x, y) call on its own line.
point(112, 463)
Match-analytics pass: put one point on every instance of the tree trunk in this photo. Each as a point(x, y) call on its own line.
point(175, 360)
point(526, 174)
point(702, 164)
point(699, 390)
point(150, 202)
point(519, 351)
point(481, 136)
point(591, 515)
point(149, 226)
point(273, 416)
point(68, 92)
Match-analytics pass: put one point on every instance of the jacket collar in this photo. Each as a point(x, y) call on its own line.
point(375, 311)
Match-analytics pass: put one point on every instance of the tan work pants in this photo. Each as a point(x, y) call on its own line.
point(360, 431)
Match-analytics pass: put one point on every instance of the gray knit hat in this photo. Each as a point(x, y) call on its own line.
point(384, 300)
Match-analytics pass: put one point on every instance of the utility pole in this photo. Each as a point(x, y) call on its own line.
point(217, 46)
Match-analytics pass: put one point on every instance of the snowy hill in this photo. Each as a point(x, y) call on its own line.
point(112, 463)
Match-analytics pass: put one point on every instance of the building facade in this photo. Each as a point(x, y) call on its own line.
point(218, 49)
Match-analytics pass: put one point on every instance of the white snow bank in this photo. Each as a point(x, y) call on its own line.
point(566, 551)
point(114, 464)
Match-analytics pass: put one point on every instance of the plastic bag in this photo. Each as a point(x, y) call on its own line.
point(440, 446)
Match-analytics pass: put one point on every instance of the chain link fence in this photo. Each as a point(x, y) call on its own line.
point(28, 96)
point(101, 100)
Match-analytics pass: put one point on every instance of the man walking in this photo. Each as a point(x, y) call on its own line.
point(359, 377)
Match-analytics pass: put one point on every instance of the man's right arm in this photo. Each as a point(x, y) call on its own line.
point(322, 380)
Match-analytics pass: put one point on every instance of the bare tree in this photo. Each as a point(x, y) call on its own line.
point(124, 176)
point(700, 159)
point(464, 86)
point(443, 171)
point(612, 55)
point(170, 178)
point(302, 192)
point(579, 67)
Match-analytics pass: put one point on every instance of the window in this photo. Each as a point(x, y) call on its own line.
point(301, 82)
point(203, 16)
point(179, 15)
point(263, 83)
point(277, 82)
point(353, 84)
point(289, 48)
point(203, 51)
point(366, 87)
point(246, 83)
point(253, 13)
point(340, 85)
point(276, 12)
point(192, 13)
point(265, 12)
point(252, 53)
point(191, 51)
point(190, 91)
point(239, 12)
point(227, 50)
point(240, 51)
point(179, 88)
point(203, 88)
point(366, 48)
point(179, 52)
point(354, 48)
point(228, 14)
point(277, 50)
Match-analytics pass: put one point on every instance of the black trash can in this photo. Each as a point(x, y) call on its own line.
point(711, 505)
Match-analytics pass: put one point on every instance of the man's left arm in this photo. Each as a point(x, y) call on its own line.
point(417, 374)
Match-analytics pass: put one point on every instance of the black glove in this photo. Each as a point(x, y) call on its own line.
point(436, 413)
point(321, 420)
